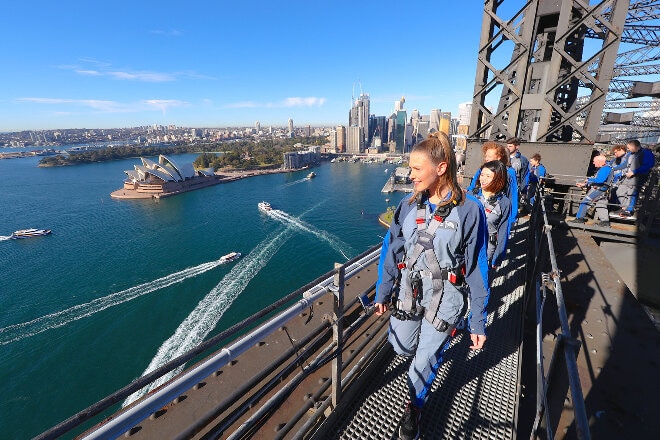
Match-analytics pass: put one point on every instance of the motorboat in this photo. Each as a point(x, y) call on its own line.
point(310, 175)
point(264, 206)
point(27, 233)
point(230, 257)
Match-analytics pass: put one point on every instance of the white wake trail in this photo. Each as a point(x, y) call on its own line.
point(17, 332)
point(5, 237)
point(333, 241)
point(203, 319)
point(304, 179)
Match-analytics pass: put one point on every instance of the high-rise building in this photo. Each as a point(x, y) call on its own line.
point(434, 120)
point(354, 140)
point(400, 131)
point(359, 116)
point(445, 123)
point(464, 111)
point(398, 105)
point(257, 126)
point(290, 125)
point(341, 138)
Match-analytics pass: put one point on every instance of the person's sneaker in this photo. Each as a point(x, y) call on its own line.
point(578, 220)
point(409, 428)
point(603, 224)
point(626, 214)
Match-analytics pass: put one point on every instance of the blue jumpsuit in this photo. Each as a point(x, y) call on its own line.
point(640, 163)
point(598, 186)
point(498, 209)
point(459, 242)
point(521, 166)
point(511, 191)
point(536, 173)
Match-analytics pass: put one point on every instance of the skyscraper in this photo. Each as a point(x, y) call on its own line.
point(257, 126)
point(354, 140)
point(400, 131)
point(359, 116)
point(341, 138)
point(290, 124)
point(434, 119)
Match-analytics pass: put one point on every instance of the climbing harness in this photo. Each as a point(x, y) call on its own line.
point(412, 282)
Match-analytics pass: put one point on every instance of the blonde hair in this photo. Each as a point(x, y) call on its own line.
point(437, 148)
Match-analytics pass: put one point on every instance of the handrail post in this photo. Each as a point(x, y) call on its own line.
point(337, 331)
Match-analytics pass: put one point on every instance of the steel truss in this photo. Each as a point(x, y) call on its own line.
point(546, 65)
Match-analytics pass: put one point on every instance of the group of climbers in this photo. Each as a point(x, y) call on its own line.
point(618, 182)
point(437, 254)
point(443, 241)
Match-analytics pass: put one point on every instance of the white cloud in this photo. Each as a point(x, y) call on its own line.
point(105, 106)
point(285, 103)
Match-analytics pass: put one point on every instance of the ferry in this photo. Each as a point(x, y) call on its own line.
point(264, 206)
point(27, 233)
point(310, 175)
point(230, 257)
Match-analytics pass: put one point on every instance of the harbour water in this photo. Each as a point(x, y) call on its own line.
point(124, 285)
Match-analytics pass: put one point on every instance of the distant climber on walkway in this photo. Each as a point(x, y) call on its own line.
point(597, 188)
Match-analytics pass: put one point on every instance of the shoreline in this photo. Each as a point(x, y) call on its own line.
point(220, 177)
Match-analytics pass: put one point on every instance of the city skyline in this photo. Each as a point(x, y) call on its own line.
point(199, 64)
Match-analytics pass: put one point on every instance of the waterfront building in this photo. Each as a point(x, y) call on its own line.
point(341, 138)
point(355, 140)
point(298, 159)
point(164, 176)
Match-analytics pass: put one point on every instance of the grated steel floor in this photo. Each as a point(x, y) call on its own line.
point(475, 394)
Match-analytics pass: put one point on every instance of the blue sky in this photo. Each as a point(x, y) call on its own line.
point(83, 64)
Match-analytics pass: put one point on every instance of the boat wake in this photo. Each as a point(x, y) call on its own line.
point(203, 319)
point(333, 241)
point(295, 182)
point(24, 330)
point(5, 237)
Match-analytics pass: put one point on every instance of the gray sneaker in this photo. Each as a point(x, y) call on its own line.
point(603, 224)
point(577, 220)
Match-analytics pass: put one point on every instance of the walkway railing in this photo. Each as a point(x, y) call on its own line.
point(541, 246)
point(332, 282)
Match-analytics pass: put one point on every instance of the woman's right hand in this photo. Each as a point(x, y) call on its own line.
point(380, 308)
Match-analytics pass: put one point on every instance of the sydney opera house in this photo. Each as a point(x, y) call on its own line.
point(163, 178)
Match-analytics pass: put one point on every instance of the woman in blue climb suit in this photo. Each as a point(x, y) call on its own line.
point(433, 259)
point(491, 194)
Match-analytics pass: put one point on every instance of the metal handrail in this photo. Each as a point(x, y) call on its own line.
point(142, 409)
point(565, 341)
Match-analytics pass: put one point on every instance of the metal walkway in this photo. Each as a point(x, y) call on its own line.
point(475, 393)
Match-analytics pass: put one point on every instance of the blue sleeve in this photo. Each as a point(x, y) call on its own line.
point(502, 232)
point(541, 171)
point(473, 183)
point(601, 176)
point(391, 254)
point(475, 236)
point(648, 160)
point(512, 194)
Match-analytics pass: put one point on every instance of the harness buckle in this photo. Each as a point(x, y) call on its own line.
point(401, 265)
point(419, 221)
point(438, 218)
